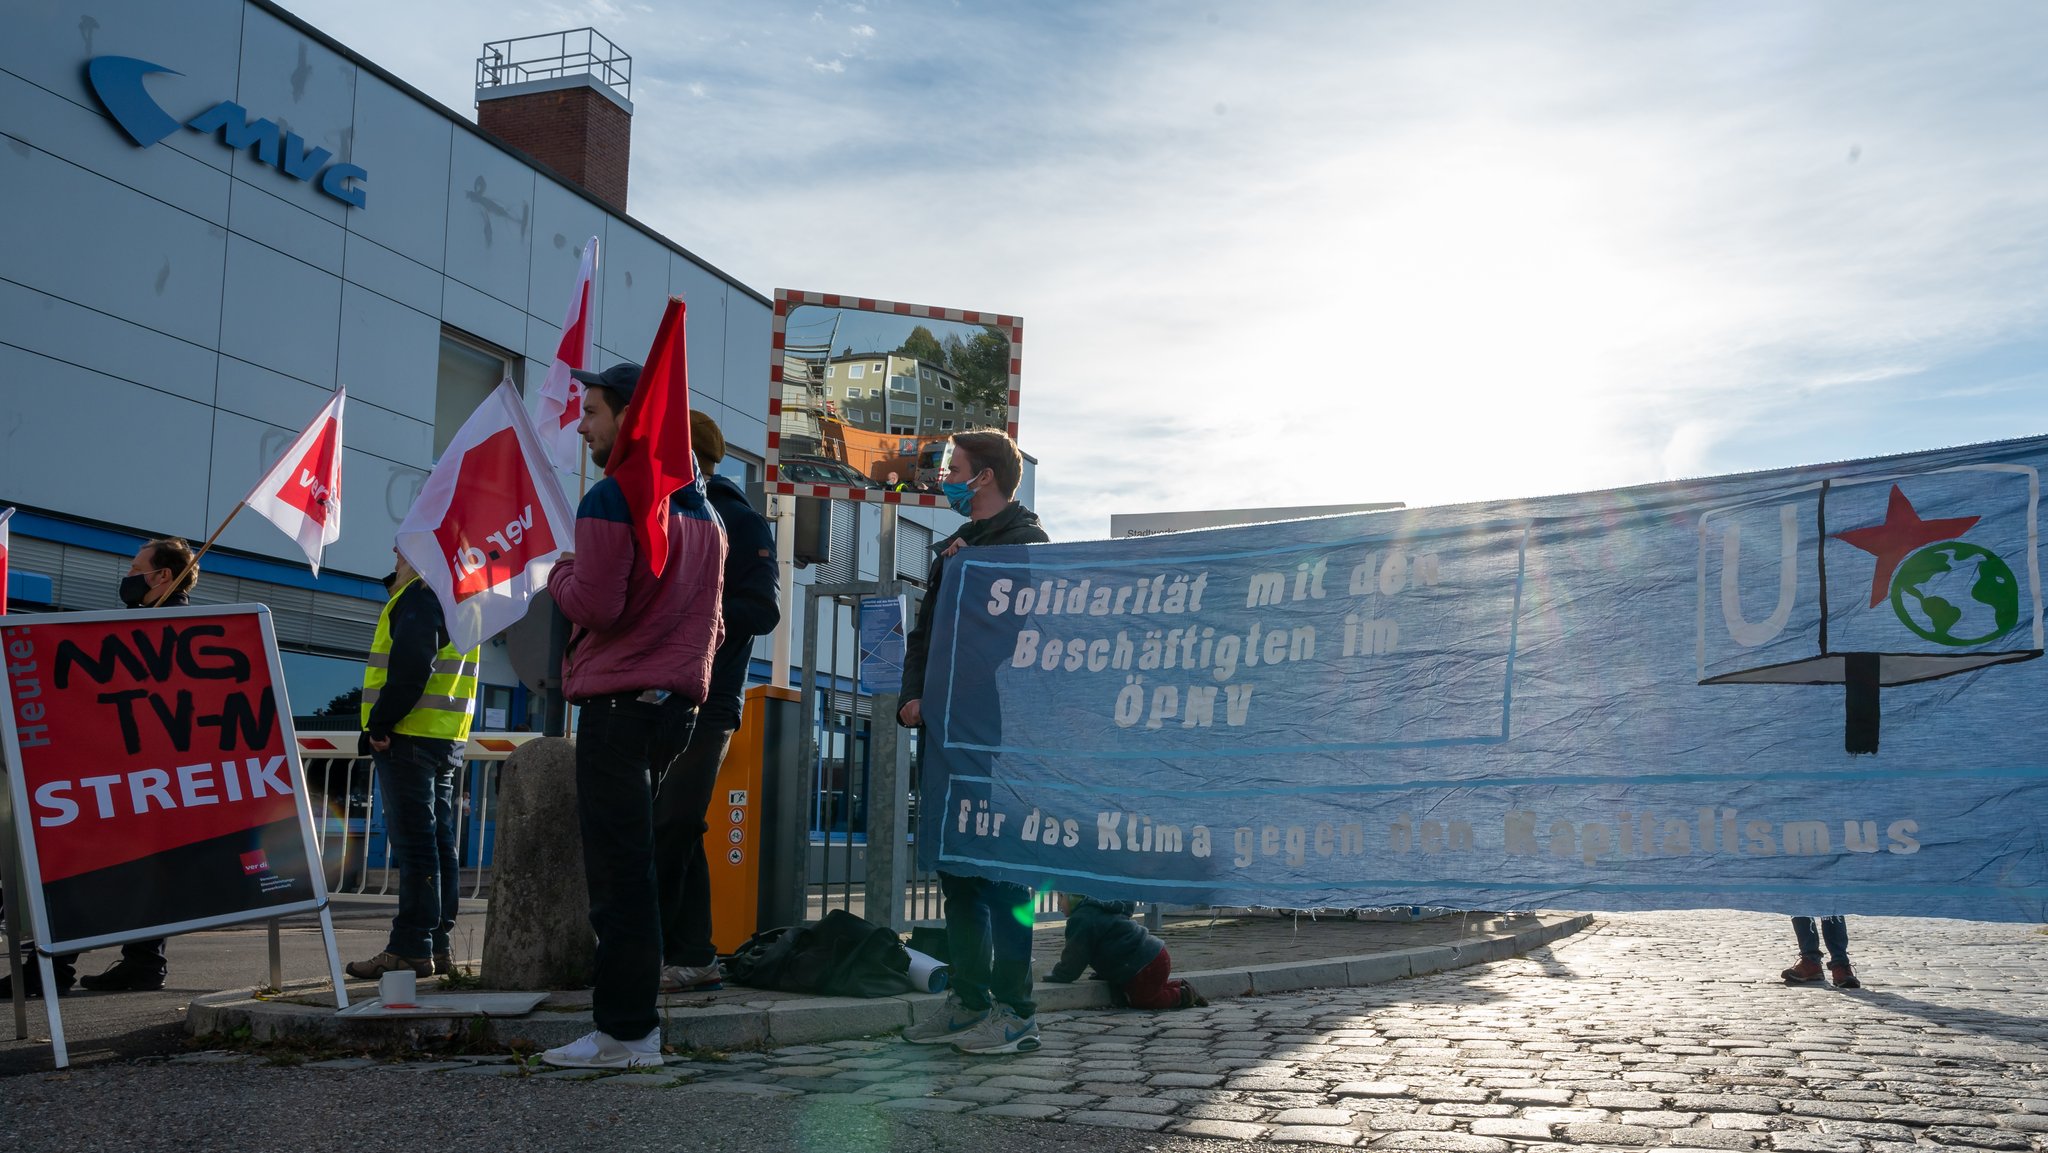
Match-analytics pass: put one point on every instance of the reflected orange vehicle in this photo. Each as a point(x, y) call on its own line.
point(876, 454)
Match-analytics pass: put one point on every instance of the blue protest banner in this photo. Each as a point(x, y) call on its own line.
point(1809, 691)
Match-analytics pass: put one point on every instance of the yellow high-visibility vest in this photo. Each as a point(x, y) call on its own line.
point(444, 710)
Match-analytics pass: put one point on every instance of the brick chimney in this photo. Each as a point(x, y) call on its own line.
point(561, 98)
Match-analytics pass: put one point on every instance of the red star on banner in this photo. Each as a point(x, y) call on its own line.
point(1895, 539)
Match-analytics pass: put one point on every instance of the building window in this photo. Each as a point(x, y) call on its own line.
point(946, 424)
point(875, 416)
point(856, 371)
point(949, 406)
point(831, 370)
point(929, 401)
point(945, 384)
point(879, 368)
point(469, 370)
point(929, 421)
point(875, 393)
point(927, 373)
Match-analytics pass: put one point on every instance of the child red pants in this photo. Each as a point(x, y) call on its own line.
point(1151, 989)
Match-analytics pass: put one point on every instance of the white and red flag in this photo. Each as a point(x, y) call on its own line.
point(4, 514)
point(301, 494)
point(490, 523)
point(561, 397)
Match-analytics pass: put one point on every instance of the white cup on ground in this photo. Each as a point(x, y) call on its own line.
point(398, 989)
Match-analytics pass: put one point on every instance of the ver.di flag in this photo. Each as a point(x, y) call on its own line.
point(301, 494)
point(561, 397)
point(4, 514)
point(490, 522)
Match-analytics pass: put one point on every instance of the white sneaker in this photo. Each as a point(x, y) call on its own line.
point(692, 978)
point(952, 1020)
point(1002, 1031)
point(600, 1050)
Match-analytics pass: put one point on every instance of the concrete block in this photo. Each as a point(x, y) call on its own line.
point(1376, 968)
point(1054, 998)
point(1302, 975)
point(539, 933)
point(718, 1027)
point(826, 1018)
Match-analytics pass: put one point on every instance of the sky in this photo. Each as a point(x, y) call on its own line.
point(1285, 254)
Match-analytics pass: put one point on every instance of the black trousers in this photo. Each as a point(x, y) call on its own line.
point(680, 805)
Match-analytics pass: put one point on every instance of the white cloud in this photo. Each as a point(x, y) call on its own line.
point(862, 30)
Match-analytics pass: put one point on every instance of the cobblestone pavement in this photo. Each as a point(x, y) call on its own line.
point(1667, 1030)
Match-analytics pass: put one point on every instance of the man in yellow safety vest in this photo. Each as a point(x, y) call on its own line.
point(418, 694)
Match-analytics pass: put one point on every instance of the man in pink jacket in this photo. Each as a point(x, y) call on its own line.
point(637, 666)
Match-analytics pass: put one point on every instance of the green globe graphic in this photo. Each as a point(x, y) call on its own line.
point(1956, 594)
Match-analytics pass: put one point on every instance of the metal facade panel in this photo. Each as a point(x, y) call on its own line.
point(382, 433)
point(285, 226)
point(94, 242)
point(388, 356)
point(243, 449)
point(106, 344)
point(305, 88)
point(146, 449)
point(377, 493)
point(85, 137)
point(748, 325)
point(563, 223)
point(280, 312)
point(481, 315)
point(490, 219)
point(393, 274)
point(256, 392)
point(404, 146)
point(48, 42)
point(635, 290)
point(708, 300)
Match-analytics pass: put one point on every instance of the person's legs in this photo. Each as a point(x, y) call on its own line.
point(680, 804)
point(1150, 989)
point(1809, 940)
point(615, 809)
point(1010, 917)
point(1834, 932)
point(968, 945)
point(448, 868)
point(407, 778)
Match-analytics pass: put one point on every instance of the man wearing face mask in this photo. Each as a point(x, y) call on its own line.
point(162, 575)
point(988, 923)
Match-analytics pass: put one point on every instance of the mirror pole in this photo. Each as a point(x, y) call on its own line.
point(888, 770)
point(782, 510)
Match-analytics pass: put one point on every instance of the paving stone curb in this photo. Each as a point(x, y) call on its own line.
point(815, 1020)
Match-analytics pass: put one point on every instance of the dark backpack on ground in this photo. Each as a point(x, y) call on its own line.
point(841, 956)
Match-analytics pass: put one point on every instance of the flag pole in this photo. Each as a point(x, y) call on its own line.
point(156, 599)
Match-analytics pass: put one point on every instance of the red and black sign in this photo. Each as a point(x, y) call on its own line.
point(156, 782)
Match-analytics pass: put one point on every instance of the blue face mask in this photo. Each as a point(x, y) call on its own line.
point(960, 496)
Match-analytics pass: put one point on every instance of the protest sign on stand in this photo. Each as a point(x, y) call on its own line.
point(155, 780)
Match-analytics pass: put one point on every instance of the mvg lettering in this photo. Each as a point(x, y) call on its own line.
point(117, 81)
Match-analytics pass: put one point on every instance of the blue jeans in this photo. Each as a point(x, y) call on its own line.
point(417, 778)
point(622, 746)
point(1833, 930)
point(988, 937)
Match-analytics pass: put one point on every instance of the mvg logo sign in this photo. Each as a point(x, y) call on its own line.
point(117, 81)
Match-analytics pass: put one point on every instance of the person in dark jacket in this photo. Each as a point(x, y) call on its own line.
point(1102, 936)
point(988, 923)
point(749, 608)
point(161, 575)
point(419, 695)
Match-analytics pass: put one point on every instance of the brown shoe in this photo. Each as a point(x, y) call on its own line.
point(388, 962)
point(444, 964)
point(1805, 972)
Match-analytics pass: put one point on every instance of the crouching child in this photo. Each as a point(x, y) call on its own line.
point(1101, 935)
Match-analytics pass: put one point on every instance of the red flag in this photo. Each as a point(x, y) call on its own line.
point(490, 522)
point(651, 458)
point(4, 514)
point(301, 493)
point(561, 397)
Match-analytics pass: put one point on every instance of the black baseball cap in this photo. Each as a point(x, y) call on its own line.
point(621, 378)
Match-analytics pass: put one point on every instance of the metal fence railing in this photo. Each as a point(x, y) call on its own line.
point(348, 810)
